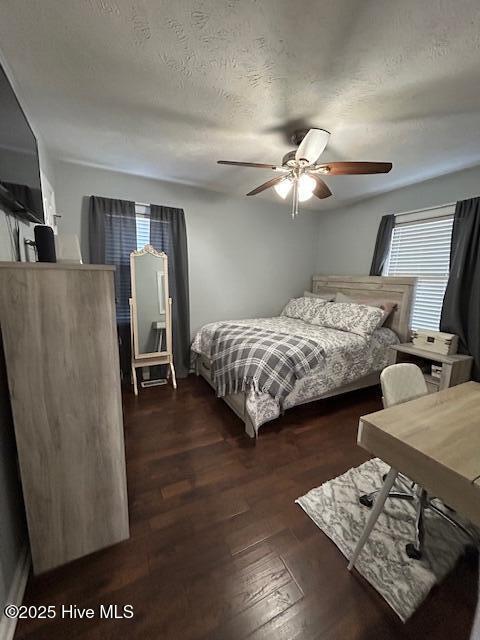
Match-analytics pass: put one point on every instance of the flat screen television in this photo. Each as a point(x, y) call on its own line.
point(20, 186)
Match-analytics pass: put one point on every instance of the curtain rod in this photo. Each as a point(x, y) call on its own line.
point(440, 206)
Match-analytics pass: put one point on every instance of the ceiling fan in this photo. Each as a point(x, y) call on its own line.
point(301, 173)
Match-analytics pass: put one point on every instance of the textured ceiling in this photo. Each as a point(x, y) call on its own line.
point(165, 88)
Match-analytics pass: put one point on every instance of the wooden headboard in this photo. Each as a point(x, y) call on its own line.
point(399, 290)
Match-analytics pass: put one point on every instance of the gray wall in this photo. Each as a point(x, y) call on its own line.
point(246, 255)
point(347, 236)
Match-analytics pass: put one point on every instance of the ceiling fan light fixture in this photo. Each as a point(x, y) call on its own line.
point(283, 188)
point(306, 185)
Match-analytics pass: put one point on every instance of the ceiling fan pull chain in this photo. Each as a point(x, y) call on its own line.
point(295, 200)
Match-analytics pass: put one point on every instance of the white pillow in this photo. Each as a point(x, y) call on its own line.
point(309, 294)
point(360, 319)
point(302, 308)
point(387, 306)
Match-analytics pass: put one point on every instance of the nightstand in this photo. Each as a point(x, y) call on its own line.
point(455, 369)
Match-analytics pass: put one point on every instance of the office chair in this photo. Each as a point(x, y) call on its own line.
point(401, 383)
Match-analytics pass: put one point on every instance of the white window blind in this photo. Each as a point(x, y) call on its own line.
point(142, 219)
point(422, 249)
point(143, 231)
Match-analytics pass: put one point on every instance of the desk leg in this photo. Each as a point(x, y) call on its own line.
point(376, 510)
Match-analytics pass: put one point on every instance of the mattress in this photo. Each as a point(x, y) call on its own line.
point(347, 357)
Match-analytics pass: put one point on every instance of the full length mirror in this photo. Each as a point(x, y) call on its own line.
point(150, 314)
point(150, 302)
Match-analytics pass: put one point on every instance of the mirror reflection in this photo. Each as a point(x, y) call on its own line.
point(150, 303)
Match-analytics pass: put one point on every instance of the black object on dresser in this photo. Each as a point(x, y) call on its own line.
point(45, 241)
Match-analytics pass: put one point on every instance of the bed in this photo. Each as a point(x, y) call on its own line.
point(349, 361)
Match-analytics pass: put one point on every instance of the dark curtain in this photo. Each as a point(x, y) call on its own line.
point(168, 234)
point(382, 244)
point(112, 237)
point(461, 304)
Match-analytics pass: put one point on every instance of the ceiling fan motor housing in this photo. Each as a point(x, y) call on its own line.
point(298, 135)
point(287, 157)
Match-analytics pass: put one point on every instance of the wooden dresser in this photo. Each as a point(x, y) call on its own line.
point(60, 340)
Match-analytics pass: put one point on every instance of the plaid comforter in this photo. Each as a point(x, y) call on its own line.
point(271, 362)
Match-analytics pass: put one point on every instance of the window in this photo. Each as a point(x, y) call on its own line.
point(142, 219)
point(122, 237)
point(421, 248)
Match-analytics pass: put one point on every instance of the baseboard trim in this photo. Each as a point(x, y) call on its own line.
point(15, 596)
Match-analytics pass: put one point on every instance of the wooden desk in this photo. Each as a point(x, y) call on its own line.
point(435, 441)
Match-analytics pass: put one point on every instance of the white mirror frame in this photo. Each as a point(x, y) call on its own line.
point(167, 304)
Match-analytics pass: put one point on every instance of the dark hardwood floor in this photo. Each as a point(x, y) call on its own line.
point(218, 548)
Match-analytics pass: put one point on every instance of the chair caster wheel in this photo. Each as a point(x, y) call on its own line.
point(413, 552)
point(366, 500)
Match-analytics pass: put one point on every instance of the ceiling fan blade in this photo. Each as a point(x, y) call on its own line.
point(265, 185)
point(354, 168)
point(312, 145)
point(257, 165)
point(321, 190)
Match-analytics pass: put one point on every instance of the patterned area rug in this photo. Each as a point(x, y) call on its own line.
point(403, 582)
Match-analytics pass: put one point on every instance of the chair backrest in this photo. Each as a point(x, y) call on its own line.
point(402, 382)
